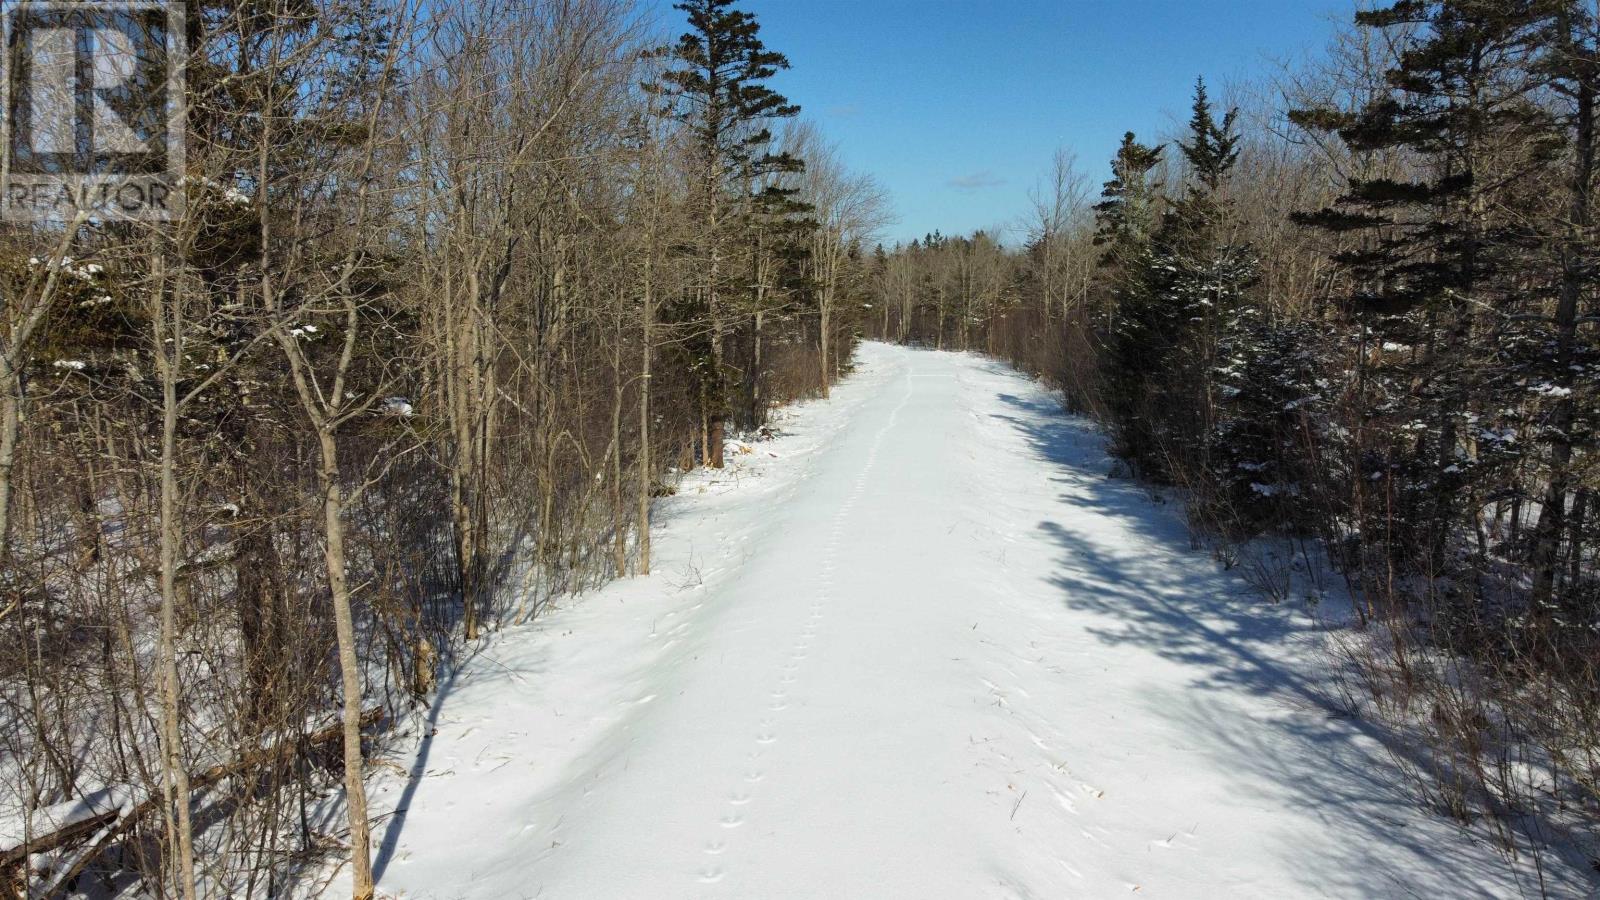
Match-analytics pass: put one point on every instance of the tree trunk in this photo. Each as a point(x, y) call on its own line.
point(646, 352)
point(715, 396)
point(619, 529)
point(20, 322)
point(716, 418)
point(757, 414)
point(1580, 507)
point(825, 324)
point(715, 436)
point(10, 425)
point(174, 775)
point(1574, 263)
point(349, 665)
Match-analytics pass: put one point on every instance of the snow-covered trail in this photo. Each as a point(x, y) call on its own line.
point(919, 647)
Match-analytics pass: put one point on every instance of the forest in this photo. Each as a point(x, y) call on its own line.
point(457, 290)
point(461, 288)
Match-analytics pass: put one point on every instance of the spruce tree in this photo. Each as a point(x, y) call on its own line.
point(1567, 367)
point(1213, 147)
point(1436, 263)
point(1124, 224)
point(1204, 276)
point(1125, 217)
point(716, 89)
point(1183, 295)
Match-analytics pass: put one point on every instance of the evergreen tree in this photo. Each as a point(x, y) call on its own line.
point(1124, 224)
point(1125, 217)
point(717, 90)
point(1213, 147)
point(777, 228)
point(1202, 276)
point(1185, 295)
point(1435, 247)
point(1269, 392)
point(1567, 367)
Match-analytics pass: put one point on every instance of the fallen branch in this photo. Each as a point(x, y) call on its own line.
point(119, 817)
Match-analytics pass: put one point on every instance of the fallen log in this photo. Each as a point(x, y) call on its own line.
point(110, 809)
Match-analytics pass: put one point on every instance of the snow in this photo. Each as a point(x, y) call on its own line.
point(85, 272)
point(918, 647)
point(15, 829)
point(399, 407)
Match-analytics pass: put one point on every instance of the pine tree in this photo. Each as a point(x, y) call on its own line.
point(717, 91)
point(1213, 147)
point(1125, 218)
point(777, 226)
point(1433, 254)
point(1566, 368)
point(1185, 293)
point(1203, 276)
point(1124, 225)
point(1269, 391)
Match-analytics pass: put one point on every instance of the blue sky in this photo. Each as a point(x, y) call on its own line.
point(956, 106)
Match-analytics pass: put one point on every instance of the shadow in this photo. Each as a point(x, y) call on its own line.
point(390, 842)
point(1134, 567)
point(458, 665)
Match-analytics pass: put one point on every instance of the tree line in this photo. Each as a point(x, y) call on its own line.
point(459, 288)
point(1357, 309)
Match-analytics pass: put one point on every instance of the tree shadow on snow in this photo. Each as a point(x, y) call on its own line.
point(455, 669)
point(389, 842)
point(1155, 592)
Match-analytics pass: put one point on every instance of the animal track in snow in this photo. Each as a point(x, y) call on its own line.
point(779, 699)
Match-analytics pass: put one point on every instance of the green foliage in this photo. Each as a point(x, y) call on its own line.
point(1213, 147)
point(1181, 295)
point(1125, 217)
point(716, 88)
